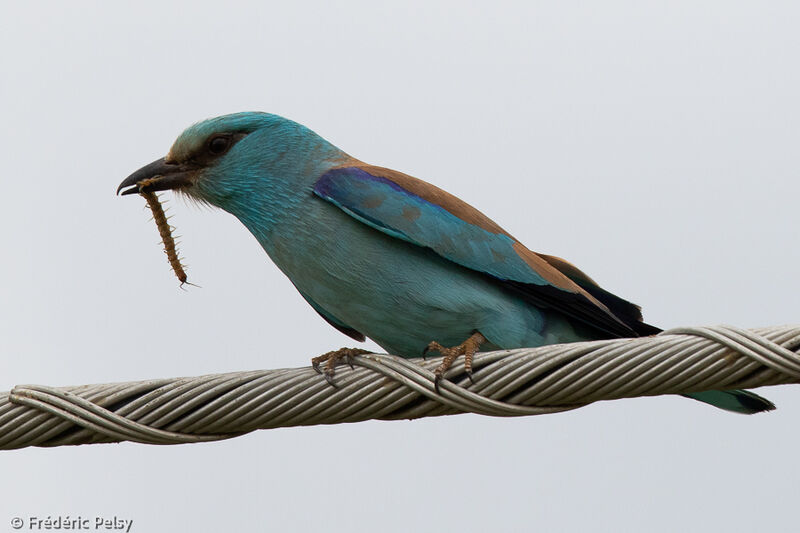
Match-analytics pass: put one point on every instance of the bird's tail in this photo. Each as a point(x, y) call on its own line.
point(735, 400)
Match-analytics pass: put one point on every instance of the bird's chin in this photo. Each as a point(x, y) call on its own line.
point(190, 196)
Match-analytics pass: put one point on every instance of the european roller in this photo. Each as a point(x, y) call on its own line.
point(380, 254)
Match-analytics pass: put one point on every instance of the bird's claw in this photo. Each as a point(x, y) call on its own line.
point(329, 379)
point(466, 348)
point(332, 358)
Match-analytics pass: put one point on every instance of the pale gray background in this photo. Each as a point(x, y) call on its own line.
point(655, 145)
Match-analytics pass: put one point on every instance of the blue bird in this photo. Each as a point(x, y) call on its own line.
point(380, 254)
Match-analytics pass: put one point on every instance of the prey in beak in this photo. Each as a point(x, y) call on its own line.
point(159, 175)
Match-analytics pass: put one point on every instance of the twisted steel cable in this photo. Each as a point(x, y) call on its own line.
point(519, 382)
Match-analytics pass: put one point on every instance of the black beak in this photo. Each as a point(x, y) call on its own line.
point(157, 176)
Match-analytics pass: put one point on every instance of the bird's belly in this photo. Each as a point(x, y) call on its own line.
point(401, 295)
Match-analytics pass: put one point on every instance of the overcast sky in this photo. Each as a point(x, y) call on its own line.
point(654, 145)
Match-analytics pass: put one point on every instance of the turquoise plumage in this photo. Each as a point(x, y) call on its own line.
point(381, 254)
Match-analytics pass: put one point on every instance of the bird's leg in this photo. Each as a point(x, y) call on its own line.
point(332, 358)
point(466, 348)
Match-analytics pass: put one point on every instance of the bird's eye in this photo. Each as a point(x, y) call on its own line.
point(219, 145)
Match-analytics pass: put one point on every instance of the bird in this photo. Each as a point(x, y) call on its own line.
point(378, 253)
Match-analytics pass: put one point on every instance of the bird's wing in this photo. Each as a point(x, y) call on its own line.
point(422, 214)
point(629, 313)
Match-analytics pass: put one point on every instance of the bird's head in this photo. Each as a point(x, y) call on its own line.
point(238, 162)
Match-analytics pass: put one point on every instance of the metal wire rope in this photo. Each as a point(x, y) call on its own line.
point(519, 382)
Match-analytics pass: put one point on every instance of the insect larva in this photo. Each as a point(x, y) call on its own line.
point(164, 230)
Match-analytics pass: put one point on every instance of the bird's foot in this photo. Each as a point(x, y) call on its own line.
point(331, 359)
point(466, 348)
